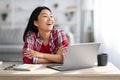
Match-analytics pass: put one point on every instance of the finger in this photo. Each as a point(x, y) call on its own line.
point(61, 47)
point(29, 56)
point(30, 52)
point(33, 52)
point(63, 50)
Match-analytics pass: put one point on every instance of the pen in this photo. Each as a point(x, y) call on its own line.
point(9, 67)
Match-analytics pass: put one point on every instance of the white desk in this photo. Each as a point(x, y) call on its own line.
point(109, 72)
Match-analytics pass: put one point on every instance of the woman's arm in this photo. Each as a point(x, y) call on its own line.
point(48, 57)
point(58, 57)
point(42, 61)
point(53, 58)
point(26, 59)
point(28, 45)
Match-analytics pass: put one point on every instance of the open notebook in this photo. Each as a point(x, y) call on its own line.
point(27, 67)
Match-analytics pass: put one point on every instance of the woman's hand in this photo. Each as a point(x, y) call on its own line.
point(31, 54)
point(62, 50)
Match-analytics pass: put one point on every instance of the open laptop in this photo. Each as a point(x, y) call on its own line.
point(82, 55)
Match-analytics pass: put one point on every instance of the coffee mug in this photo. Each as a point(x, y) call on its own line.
point(102, 59)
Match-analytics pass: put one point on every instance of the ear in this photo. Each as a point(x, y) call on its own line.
point(36, 23)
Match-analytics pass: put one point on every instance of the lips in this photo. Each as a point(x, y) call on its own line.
point(49, 23)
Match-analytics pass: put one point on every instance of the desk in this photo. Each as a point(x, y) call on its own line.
point(109, 72)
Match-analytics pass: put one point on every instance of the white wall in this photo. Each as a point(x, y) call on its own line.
point(107, 23)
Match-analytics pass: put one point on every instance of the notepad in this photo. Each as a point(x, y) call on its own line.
point(27, 67)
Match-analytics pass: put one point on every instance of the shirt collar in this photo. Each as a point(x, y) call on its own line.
point(40, 37)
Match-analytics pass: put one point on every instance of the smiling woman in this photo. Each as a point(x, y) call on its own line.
point(43, 43)
point(45, 21)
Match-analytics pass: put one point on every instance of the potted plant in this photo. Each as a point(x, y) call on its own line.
point(69, 15)
point(55, 5)
point(4, 16)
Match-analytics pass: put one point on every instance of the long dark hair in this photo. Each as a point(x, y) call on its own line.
point(33, 17)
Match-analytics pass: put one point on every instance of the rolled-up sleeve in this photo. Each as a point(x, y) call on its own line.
point(64, 41)
point(63, 38)
point(28, 45)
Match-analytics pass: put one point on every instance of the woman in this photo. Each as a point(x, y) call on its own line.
point(43, 43)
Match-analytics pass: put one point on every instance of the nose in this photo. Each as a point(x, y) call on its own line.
point(50, 18)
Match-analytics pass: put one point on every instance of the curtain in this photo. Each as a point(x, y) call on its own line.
point(106, 28)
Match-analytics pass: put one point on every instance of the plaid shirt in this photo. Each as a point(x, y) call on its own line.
point(34, 41)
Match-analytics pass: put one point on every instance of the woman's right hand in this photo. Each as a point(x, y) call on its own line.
point(62, 50)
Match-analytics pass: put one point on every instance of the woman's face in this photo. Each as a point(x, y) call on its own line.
point(45, 21)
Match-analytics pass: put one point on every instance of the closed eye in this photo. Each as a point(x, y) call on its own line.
point(51, 16)
point(44, 16)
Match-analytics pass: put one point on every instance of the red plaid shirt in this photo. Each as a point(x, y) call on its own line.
point(34, 41)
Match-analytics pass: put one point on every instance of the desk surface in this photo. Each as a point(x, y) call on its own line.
point(109, 71)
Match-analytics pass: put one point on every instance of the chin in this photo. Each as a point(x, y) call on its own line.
point(49, 30)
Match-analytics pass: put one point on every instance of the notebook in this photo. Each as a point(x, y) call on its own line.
point(27, 67)
point(82, 55)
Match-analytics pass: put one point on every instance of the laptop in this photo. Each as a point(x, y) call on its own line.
point(78, 56)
